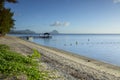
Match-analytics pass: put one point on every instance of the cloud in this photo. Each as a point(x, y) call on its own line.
point(58, 23)
point(116, 1)
point(66, 23)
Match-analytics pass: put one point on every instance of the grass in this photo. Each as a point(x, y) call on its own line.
point(13, 64)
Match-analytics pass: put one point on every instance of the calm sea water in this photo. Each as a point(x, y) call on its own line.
point(105, 48)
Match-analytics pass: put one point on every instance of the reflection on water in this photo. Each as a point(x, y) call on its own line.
point(46, 41)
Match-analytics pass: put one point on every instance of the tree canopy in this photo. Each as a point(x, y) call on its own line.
point(6, 17)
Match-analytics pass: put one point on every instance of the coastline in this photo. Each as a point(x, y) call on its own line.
point(71, 66)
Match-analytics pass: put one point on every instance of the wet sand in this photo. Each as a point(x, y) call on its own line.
point(68, 65)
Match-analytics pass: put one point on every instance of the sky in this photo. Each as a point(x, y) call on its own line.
point(67, 16)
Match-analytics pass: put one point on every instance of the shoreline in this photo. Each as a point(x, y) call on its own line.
point(71, 66)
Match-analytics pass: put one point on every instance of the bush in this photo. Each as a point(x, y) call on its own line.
point(2, 47)
point(35, 54)
point(15, 64)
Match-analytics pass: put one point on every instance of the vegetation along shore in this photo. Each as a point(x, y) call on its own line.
point(61, 65)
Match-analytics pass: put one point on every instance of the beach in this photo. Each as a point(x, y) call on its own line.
point(67, 65)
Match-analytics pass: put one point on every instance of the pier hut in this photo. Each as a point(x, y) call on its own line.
point(30, 37)
point(46, 35)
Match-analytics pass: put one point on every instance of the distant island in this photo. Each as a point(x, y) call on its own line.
point(27, 31)
point(54, 32)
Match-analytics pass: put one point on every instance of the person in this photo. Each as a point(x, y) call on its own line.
point(27, 38)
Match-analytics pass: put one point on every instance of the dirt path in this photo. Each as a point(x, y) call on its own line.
point(68, 66)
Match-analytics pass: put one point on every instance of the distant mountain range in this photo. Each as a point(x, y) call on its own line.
point(27, 31)
point(54, 32)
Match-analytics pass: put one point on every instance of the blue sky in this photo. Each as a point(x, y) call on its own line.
point(68, 16)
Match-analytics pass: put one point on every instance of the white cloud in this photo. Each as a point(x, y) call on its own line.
point(58, 23)
point(66, 23)
point(116, 1)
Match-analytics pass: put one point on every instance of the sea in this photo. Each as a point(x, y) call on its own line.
point(102, 47)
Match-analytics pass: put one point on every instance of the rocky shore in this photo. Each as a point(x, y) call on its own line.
point(66, 65)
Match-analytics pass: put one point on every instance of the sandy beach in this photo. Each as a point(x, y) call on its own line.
point(67, 65)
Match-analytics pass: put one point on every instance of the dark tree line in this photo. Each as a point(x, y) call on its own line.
point(6, 17)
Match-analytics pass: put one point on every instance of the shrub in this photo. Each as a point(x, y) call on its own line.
point(15, 64)
point(3, 46)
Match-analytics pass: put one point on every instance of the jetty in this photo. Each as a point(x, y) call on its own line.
point(45, 35)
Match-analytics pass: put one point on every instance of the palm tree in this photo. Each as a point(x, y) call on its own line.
point(6, 20)
point(2, 2)
point(11, 1)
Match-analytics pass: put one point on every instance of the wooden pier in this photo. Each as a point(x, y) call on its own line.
point(45, 35)
point(35, 36)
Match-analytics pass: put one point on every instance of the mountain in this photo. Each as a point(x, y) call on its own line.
point(27, 31)
point(54, 32)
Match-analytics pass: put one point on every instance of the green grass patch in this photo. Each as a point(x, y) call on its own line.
point(2, 47)
point(15, 64)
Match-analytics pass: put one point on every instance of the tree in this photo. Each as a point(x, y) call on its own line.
point(6, 20)
point(12, 1)
point(2, 2)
